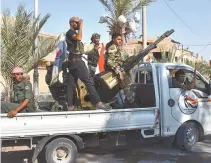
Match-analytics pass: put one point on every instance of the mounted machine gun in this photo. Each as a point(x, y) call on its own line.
point(108, 83)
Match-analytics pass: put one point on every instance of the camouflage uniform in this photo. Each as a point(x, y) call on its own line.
point(115, 57)
point(115, 60)
point(21, 91)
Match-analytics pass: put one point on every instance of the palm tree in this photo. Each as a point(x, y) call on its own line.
point(18, 35)
point(121, 7)
point(201, 67)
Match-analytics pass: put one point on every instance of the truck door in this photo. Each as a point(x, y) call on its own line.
point(189, 101)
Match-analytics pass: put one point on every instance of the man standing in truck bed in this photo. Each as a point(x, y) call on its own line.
point(76, 68)
point(95, 55)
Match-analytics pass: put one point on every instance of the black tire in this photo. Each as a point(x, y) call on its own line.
point(184, 141)
point(66, 146)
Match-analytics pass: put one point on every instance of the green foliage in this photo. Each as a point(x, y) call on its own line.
point(121, 7)
point(18, 35)
point(201, 67)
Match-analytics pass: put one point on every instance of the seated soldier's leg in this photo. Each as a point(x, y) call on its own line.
point(53, 91)
point(6, 107)
point(92, 70)
point(126, 88)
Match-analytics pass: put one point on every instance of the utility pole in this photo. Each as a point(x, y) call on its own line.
point(36, 74)
point(144, 29)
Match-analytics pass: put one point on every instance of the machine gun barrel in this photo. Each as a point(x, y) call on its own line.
point(127, 66)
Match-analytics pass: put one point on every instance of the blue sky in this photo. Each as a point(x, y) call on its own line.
point(197, 15)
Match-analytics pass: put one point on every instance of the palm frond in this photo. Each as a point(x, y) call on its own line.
point(108, 6)
point(121, 7)
point(46, 46)
point(18, 35)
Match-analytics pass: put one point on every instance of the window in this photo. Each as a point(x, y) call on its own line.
point(186, 80)
point(144, 77)
point(157, 55)
point(144, 89)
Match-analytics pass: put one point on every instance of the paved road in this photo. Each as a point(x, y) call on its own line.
point(145, 154)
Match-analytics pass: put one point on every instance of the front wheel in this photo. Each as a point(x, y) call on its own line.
point(61, 150)
point(187, 136)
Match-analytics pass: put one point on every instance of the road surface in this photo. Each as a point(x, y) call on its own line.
point(156, 153)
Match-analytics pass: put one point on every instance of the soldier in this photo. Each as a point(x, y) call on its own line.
point(93, 53)
point(180, 81)
point(76, 66)
point(114, 61)
point(22, 99)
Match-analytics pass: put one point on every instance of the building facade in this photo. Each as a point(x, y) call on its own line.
point(168, 49)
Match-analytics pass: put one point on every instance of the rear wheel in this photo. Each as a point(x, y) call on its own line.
point(187, 136)
point(61, 150)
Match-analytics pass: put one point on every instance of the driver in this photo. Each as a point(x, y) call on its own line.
point(180, 81)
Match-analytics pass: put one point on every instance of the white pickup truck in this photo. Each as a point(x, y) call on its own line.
point(160, 110)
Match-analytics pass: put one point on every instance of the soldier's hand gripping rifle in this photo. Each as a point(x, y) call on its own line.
point(108, 83)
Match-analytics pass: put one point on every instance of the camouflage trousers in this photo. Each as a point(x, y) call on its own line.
point(125, 84)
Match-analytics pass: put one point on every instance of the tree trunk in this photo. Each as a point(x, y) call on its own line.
point(8, 93)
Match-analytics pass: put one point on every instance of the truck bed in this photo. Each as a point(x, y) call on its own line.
point(76, 122)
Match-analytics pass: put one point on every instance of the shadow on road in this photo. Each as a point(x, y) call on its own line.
point(145, 154)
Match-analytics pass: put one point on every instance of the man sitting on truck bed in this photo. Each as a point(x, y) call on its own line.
point(22, 99)
point(115, 58)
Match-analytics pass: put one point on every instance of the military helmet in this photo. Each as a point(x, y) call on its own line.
point(17, 70)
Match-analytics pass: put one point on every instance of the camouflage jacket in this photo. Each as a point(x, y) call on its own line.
point(115, 57)
point(22, 91)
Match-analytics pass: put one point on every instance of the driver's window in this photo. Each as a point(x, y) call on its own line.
point(185, 79)
point(181, 78)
